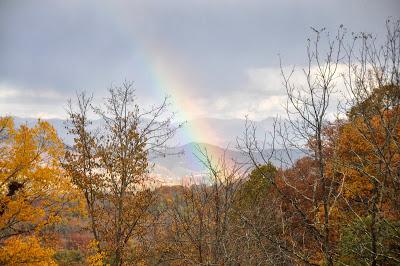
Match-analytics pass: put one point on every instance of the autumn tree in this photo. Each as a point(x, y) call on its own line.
point(369, 148)
point(35, 193)
point(339, 201)
point(111, 165)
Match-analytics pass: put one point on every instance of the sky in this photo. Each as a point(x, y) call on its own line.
point(213, 58)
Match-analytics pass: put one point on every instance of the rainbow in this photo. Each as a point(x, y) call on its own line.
point(168, 80)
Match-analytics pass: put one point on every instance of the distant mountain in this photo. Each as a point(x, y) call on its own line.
point(58, 124)
point(186, 160)
point(225, 131)
point(190, 159)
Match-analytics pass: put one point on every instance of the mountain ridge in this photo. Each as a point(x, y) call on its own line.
point(185, 159)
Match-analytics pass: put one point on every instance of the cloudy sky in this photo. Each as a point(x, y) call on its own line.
point(214, 58)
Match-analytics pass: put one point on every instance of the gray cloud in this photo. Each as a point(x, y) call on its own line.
point(219, 47)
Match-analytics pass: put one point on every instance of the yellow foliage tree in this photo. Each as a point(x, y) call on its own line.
point(25, 251)
point(34, 191)
point(97, 257)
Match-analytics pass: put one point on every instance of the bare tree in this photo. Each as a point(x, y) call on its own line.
point(111, 165)
point(199, 217)
point(311, 197)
